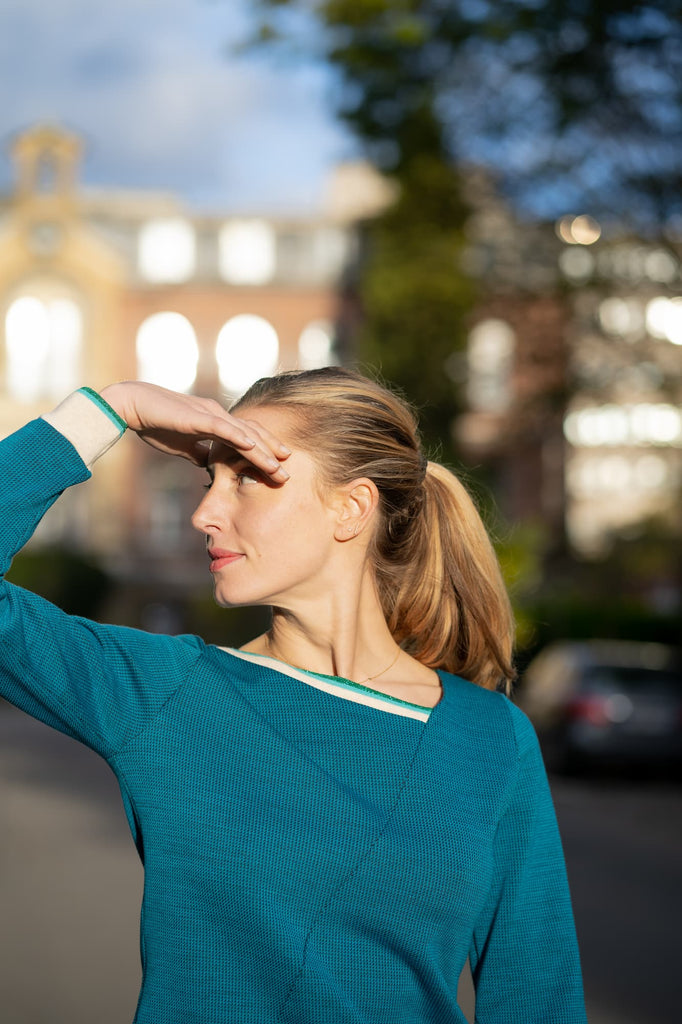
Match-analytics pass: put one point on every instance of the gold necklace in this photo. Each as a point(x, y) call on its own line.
point(376, 675)
point(358, 682)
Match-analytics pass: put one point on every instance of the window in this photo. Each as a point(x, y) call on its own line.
point(490, 353)
point(167, 251)
point(43, 339)
point(167, 351)
point(247, 252)
point(247, 348)
point(316, 346)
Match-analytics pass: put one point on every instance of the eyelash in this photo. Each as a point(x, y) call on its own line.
point(239, 477)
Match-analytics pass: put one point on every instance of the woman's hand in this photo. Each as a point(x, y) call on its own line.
point(185, 425)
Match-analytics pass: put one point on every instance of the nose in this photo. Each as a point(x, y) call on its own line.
point(209, 514)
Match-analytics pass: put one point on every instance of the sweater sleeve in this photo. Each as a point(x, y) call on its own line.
point(99, 683)
point(524, 954)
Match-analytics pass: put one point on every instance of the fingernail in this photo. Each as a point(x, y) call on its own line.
point(284, 473)
point(283, 448)
point(250, 441)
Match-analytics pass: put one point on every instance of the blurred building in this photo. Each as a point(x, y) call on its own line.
point(98, 286)
point(573, 372)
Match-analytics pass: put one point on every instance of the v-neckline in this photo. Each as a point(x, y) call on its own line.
point(345, 689)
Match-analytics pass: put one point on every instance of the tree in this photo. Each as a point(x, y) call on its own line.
point(576, 103)
point(75, 583)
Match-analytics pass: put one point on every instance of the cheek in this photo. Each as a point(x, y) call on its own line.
point(297, 532)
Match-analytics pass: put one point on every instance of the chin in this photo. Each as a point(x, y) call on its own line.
point(234, 599)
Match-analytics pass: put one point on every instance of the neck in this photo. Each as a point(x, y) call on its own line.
point(345, 634)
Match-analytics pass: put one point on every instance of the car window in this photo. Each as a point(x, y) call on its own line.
point(617, 678)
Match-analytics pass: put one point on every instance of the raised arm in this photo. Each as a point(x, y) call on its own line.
point(185, 425)
point(97, 683)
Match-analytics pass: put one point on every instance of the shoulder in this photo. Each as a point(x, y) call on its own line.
point(492, 724)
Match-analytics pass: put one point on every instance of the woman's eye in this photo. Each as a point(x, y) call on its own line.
point(248, 478)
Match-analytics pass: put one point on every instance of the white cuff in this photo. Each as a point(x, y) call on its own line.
point(88, 422)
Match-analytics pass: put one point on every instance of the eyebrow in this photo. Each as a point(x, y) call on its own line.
point(234, 460)
point(224, 454)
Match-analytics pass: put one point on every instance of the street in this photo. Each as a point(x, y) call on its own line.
point(70, 887)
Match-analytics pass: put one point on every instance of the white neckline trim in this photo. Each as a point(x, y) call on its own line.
point(346, 691)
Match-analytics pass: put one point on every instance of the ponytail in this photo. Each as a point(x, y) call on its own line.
point(448, 605)
point(436, 573)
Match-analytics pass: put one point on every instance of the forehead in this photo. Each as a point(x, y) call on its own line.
point(277, 425)
point(280, 422)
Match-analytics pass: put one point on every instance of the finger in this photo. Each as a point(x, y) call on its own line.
point(256, 429)
point(255, 449)
point(226, 428)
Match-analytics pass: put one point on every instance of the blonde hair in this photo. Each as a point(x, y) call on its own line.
point(437, 575)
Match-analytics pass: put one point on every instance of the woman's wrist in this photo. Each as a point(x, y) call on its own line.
point(118, 397)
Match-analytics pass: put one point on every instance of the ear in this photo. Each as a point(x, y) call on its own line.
point(356, 504)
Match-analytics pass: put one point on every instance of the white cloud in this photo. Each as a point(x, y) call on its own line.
point(148, 84)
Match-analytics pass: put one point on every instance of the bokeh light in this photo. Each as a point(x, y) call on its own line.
point(247, 252)
point(167, 351)
point(316, 346)
point(247, 348)
point(43, 340)
point(167, 250)
point(580, 230)
point(664, 319)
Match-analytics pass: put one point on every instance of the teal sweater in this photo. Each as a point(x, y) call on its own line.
point(314, 853)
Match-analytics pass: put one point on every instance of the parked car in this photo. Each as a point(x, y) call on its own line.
point(602, 701)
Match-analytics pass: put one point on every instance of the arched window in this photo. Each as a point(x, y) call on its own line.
point(316, 346)
point(167, 351)
point(247, 252)
point(247, 348)
point(490, 353)
point(167, 250)
point(43, 339)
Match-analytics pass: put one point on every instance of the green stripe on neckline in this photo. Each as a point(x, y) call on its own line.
point(350, 684)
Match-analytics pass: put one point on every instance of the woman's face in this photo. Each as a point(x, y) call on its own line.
point(268, 543)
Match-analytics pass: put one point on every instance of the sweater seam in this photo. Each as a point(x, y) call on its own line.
point(504, 803)
point(120, 751)
point(514, 776)
point(349, 875)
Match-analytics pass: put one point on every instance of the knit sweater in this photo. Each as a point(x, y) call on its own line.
point(314, 852)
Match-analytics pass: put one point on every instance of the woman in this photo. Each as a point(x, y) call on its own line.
point(335, 816)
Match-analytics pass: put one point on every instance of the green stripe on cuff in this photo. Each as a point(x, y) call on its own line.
point(106, 408)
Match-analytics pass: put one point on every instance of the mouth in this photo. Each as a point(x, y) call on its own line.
point(220, 558)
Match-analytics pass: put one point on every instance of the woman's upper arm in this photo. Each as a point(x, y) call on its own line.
point(98, 683)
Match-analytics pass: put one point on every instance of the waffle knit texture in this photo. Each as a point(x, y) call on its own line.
point(308, 859)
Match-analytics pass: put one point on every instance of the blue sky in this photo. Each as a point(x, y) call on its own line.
point(151, 86)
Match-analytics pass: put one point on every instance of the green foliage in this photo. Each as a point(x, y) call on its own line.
point(633, 592)
point(413, 295)
point(76, 584)
point(226, 627)
point(574, 103)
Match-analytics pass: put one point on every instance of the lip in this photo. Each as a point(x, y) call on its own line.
point(220, 558)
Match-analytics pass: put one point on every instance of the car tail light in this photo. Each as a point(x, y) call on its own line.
point(592, 709)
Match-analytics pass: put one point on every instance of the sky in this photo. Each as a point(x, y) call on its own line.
point(163, 103)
